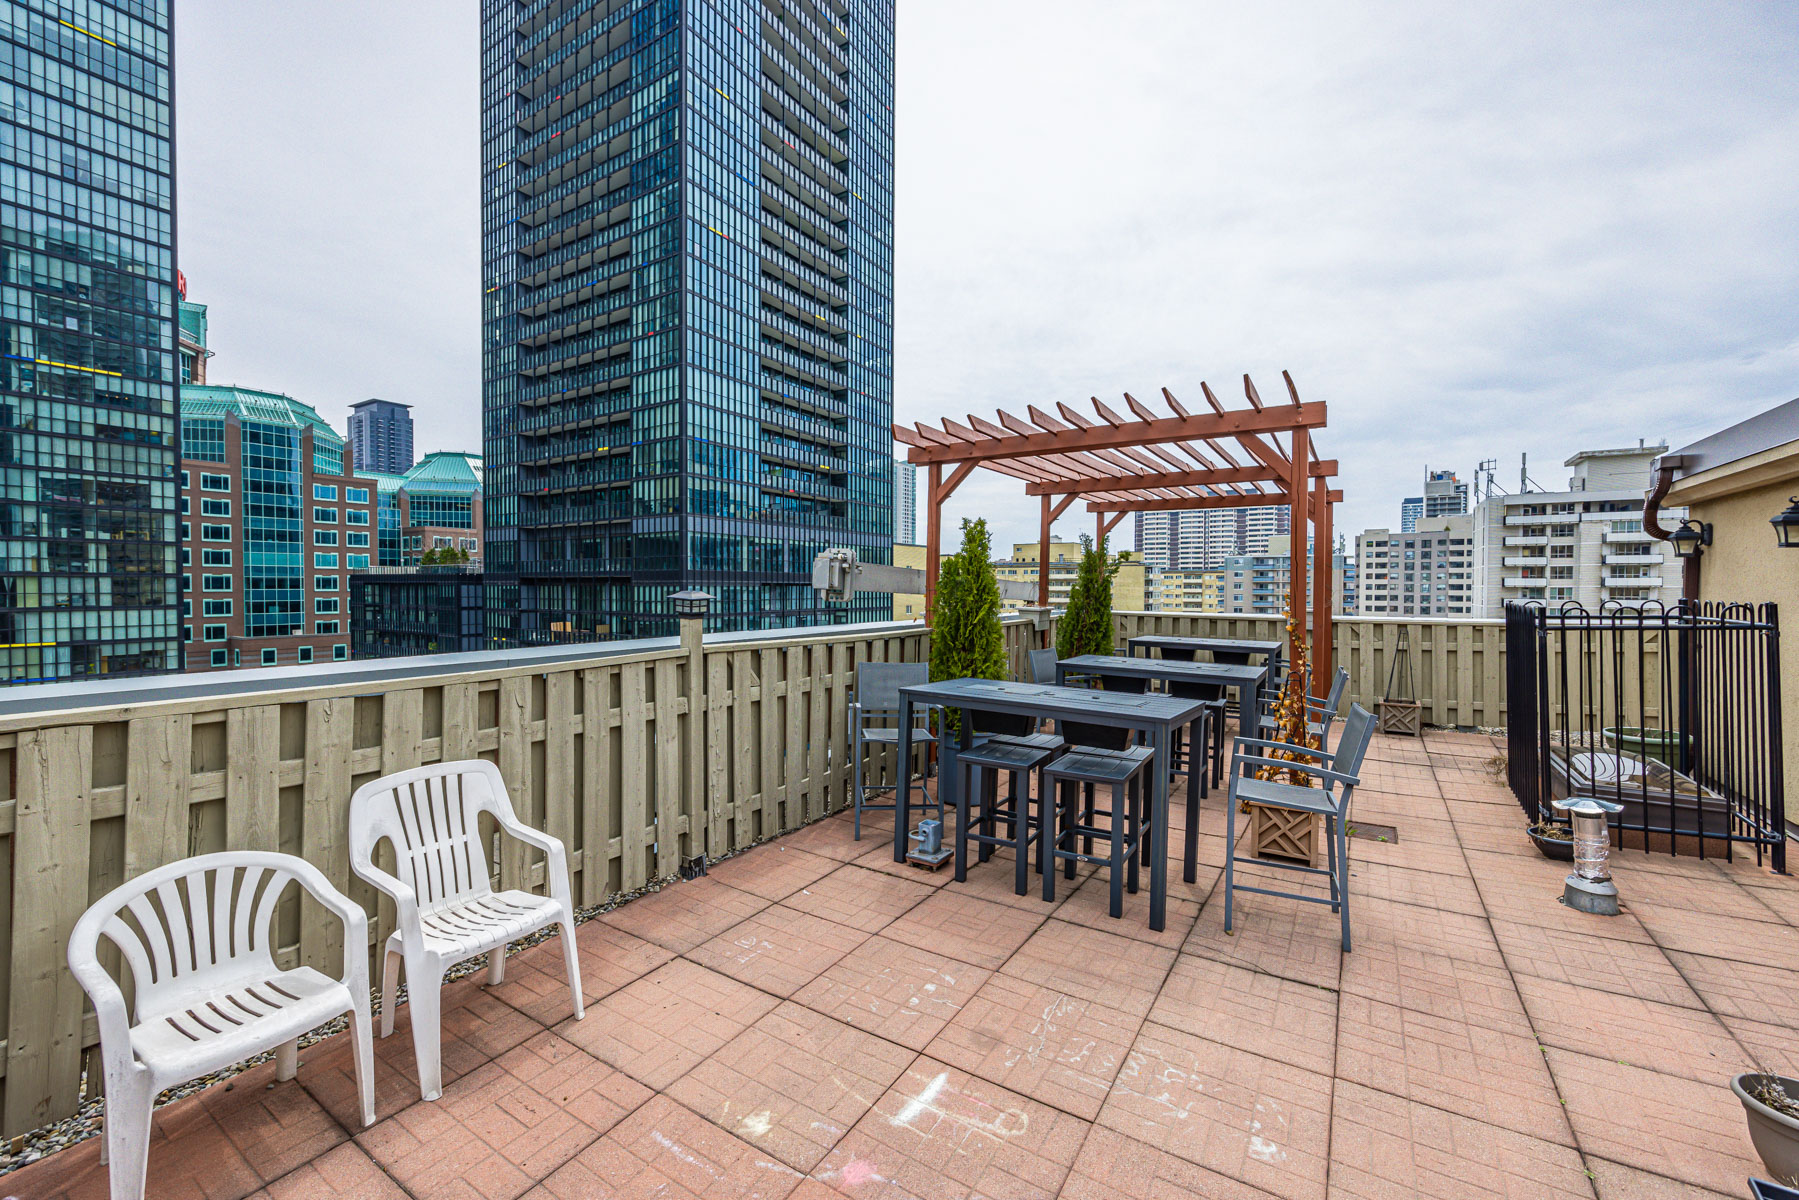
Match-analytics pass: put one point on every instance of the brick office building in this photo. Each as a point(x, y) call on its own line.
point(273, 522)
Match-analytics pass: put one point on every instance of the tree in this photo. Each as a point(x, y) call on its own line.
point(967, 641)
point(429, 558)
point(1086, 628)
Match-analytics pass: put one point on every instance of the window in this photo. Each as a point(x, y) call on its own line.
point(215, 608)
point(186, 532)
point(325, 537)
point(214, 508)
point(304, 654)
point(268, 656)
point(325, 516)
point(187, 557)
point(1561, 552)
point(187, 583)
point(1627, 526)
point(187, 631)
point(340, 652)
point(324, 583)
point(324, 491)
point(187, 608)
point(356, 495)
point(184, 479)
point(184, 506)
point(215, 533)
point(326, 561)
point(215, 558)
point(325, 604)
point(356, 516)
point(356, 562)
point(218, 658)
point(215, 583)
point(325, 627)
point(1561, 572)
point(353, 538)
point(215, 483)
point(213, 633)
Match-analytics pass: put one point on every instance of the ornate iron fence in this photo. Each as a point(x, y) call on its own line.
point(1672, 712)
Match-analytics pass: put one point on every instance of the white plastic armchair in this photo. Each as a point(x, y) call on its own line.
point(446, 910)
point(198, 937)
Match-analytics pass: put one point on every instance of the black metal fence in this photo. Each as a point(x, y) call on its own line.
point(1672, 712)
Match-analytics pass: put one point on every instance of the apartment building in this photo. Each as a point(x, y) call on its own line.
point(272, 519)
point(1259, 583)
point(1444, 496)
point(1201, 539)
point(1130, 586)
point(1585, 544)
point(1177, 590)
point(1430, 571)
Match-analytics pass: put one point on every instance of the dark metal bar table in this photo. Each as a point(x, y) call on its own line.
point(1246, 679)
point(1155, 716)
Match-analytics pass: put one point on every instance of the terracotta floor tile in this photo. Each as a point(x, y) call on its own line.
point(1108, 968)
point(346, 1173)
point(878, 856)
point(976, 931)
point(501, 1128)
point(1765, 939)
point(612, 959)
point(1060, 1049)
point(682, 915)
point(1759, 900)
point(779, 950)
point(773, 870)
point(191, 1158)
point(899, 992)
point(537, 981)
point(476, 1027)
point(1490, 1076)
point(793, 1083)
point(1661, 1037)
point(1288, 938)
point(860, 898)
point(1733, 988)
point(1628, 968)
point(1761, 1044)
point(1090, 904)
point(1406, 885)
point(1294, 1023)
point(1614, 1181)
point(1251, 1118)
point(1680, 1128)
point(276, 1128)
point(940, 1132)
point(664, 1152)
point(834, 837)
point(1114, 1167)
point(660, 1027)
point(1384, 1147)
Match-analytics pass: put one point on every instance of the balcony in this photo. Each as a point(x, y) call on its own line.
point(1520, 539)
point(1630, 581)
point(1630, 558)
point(1531, 581)
point(809, 1009)
point(1635, 537)
point(1526, 560)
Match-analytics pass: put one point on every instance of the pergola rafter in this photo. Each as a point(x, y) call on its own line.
point(1140, 460)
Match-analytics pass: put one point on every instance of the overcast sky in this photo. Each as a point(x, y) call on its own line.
point(1475, 231)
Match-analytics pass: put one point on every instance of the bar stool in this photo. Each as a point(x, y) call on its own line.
point(1064, 782)
point(979, 793)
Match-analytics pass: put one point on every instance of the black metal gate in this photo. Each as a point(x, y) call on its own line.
point(1673, 713)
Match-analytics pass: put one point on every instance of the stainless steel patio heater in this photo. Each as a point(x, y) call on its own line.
point(1590, 888)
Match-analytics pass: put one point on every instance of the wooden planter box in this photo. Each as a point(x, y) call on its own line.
point(1291, 836)
point(1401, 716)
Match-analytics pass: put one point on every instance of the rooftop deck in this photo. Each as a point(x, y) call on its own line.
point(813, 1020)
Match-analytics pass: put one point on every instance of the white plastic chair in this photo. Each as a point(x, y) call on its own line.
point(208, 992)
point(445, 907)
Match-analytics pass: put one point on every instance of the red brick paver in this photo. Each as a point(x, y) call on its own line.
point(813, 1021)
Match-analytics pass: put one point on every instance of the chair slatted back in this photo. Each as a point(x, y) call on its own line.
point(1043, 666)
point(1352, 745)
point(878, 684)
point(189, 927)
point(1333, 703)
point(432, 817)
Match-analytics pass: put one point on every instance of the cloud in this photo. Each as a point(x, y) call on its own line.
point(1474, 230)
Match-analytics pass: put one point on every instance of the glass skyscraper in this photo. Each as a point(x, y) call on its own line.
point(88, 415)
point(687, 244)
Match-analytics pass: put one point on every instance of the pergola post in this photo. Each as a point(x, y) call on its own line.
point(1298, 510)
point(1323, 583)
point(938, 490)
point(933, 537)
point(1052, 508)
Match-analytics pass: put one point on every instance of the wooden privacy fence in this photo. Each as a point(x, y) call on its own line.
point(636, 762)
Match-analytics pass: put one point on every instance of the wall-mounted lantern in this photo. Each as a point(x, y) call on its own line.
point(1689, 538)
point(1786, 525)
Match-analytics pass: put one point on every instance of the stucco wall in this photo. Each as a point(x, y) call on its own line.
point(1743, 564)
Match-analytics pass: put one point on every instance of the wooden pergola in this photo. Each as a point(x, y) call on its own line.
point(1145, 461)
